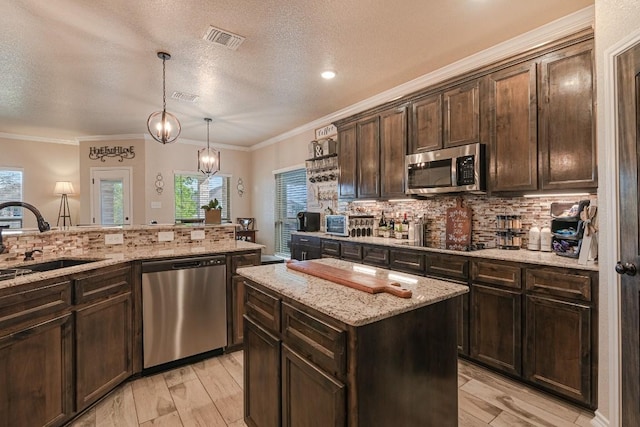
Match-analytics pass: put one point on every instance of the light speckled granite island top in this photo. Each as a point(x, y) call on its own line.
point(348, 305)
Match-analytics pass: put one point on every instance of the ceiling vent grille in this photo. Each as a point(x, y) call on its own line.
point(224, 38)
point(187, 97)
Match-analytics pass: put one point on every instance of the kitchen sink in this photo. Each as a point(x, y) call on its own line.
point(59, 263)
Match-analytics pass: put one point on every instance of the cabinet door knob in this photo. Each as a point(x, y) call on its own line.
point(626, 268)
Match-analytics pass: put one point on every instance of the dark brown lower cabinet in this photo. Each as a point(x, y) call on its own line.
point(36, 374)
point(496, 335)
point(558, 346)
point(103, 348)
point(261, 377)
point(235, 296)
point(463, 324)
point(302, 380)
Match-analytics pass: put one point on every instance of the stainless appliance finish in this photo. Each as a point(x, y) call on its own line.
point(447, 170)
point(183, 308)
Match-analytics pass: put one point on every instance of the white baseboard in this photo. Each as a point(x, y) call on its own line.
point(599, 420)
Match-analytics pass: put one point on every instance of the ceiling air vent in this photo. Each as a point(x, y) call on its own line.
point(187, 97)
point(224, 38)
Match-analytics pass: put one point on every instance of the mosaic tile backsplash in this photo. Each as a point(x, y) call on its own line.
point(534, 211)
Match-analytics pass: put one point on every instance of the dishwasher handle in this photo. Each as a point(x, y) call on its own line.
point(183, 264)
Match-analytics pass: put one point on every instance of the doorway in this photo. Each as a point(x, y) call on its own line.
point(111, 196)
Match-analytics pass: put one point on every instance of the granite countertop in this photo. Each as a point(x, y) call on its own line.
point(116, 255)
point(521, 255)
point(348, 305)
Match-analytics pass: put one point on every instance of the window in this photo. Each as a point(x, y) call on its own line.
point(291, 198)
point(193, 190)
point(11, 191)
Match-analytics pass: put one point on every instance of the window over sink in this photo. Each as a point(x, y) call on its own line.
point(11, 191)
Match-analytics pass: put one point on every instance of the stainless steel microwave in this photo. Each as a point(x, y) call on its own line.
point(448, 170)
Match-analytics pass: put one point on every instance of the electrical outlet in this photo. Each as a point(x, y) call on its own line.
point(114, 239)
point(197, 235)
point(165, 236)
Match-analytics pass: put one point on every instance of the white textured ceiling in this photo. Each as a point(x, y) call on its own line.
point(80, 68)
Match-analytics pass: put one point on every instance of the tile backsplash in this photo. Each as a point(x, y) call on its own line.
point(534, 211)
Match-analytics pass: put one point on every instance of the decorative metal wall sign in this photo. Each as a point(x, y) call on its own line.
point(101, 153)
point(327, 131)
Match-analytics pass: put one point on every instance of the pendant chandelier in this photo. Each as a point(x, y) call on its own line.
point(208, 158)
point(163, 126)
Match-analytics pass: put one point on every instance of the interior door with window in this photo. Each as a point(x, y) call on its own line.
point(111, 196)
point(628, 93)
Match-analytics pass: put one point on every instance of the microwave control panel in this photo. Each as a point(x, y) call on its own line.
point(465, 170)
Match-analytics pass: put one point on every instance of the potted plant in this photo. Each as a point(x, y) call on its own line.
point(212, 212)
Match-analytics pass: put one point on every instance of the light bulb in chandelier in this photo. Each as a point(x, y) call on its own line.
point(163, 127)
point(208, 158)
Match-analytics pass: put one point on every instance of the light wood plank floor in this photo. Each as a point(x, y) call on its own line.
point(209, 393)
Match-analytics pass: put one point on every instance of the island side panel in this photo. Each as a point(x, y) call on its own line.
point(407, 369)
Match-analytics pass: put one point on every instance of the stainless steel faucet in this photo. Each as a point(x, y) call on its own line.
point(42, 224)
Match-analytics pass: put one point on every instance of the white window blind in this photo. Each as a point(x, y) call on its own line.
point(11, 191)
point(193, 190)
point(291, 198)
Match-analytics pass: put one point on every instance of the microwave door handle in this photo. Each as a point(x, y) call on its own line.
point(454, 172)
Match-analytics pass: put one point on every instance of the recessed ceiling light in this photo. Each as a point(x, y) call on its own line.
point(328, 75)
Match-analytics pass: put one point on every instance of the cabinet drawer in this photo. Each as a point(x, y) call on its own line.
point(375, 256)
point(101, 285)
point(263, 308)
point(244, 259)
point(494, 273)
point(559, 282)
point(351, 251)
point(305, 240)
point(447, 266)
point(331, 248)
point(319, 342)
point(408, 261)
point(31, 304)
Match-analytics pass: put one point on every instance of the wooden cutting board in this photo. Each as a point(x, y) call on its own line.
point(458, 228)
point(352, 279)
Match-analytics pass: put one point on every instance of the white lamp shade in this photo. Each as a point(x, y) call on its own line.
point(63, 187)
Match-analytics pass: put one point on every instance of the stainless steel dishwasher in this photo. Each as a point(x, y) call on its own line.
point(183, 308)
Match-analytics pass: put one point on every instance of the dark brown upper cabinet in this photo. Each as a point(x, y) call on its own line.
point(567, 130)
point(513, 128)
point(393, 149)
point(368, 143)
point(461, 115)
point(347, 162)
point(426, 119)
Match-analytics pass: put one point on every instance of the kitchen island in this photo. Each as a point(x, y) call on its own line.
point(320, 353)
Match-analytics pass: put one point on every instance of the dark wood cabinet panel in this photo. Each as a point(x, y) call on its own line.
point(347, 157)
point(263, 308)
point(497, 273)
point(393, 148)
point(300, 380)
point(463, 324)
point(40, 300)
point(330, 248)
point(558, 350)
point(462, 115)
point(375, 255)
point(447, 266)
point(235, 292)
point(368, 164)
point(407, 261)
point(261, 377)
point(305, 247)
point(351, 251)
point(104, 345)
point(426, 124)
point(513, 128)
point(496, 332)
point(558, 282)
point(36, 385)
point(567, 126)
point(101, 284)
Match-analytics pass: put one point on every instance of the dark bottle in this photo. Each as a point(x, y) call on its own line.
point(392, 224)
point(383, 222)
point(405, 223)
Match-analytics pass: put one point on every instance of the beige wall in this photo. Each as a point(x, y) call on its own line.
point(43, 163)
point(137, 165)
point(264, 161)
point(615, 21)
point(165, 159)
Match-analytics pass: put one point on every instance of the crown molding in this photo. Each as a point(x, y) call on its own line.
point(148, 137)
point(101, 138)
point(554, 30)
point(38, 139)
